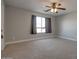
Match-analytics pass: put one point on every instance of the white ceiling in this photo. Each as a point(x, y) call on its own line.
point(39, 5)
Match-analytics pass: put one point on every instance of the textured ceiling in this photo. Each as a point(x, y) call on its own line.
point(39, 5)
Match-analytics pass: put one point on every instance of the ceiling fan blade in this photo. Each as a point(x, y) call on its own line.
point(62, 8)
point(48, 6)
point(59, 4)
point(47, 10)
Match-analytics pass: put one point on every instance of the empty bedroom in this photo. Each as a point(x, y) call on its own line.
point(38, 29)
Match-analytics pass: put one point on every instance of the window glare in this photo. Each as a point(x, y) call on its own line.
point(38, 21)
point(43, 22)
point(38, 30)
point(43, 30)
point(40, 24)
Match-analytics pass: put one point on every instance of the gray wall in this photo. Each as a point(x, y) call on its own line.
point(18, 24)
point(66, 25)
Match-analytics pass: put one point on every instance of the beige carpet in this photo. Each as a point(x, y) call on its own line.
point(54, 48)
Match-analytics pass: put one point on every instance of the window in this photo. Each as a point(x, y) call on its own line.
point(40, 25)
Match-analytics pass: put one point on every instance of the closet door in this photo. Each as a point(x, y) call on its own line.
point(2, 25)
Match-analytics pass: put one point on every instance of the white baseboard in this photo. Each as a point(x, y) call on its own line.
point(24, 40)
point(64, 37)
point(19, 41)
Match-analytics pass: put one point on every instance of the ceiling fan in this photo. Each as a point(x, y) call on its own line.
point(54, 7)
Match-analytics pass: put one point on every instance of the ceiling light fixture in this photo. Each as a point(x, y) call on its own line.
point(52, 10)
point(54, 7)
